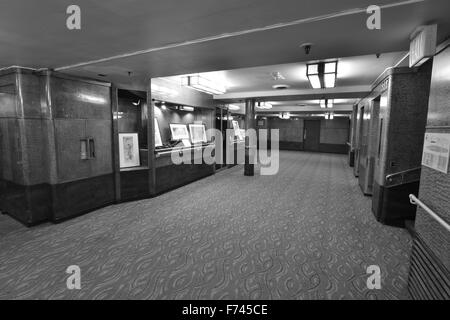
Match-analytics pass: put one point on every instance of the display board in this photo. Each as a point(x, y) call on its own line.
point(436, 151)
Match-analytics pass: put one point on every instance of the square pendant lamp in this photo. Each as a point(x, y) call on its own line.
point(322, 74)
point(326, 103)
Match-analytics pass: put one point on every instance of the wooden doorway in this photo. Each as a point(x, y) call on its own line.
point(311, 135)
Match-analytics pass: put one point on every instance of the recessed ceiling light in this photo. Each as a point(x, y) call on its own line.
point(280, 86)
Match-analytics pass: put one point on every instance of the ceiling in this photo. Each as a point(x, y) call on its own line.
point(33, 34)
point(257, 81)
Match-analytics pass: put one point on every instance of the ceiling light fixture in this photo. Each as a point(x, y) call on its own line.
point(233, 107)
point(322, 75)
point(329, 115)
point(285, 115)
point(281, 86)
point(200, 83)
point(186, 108)
point(326, 103)
point(264, 105)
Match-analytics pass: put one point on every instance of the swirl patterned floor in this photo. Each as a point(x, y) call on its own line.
point(306, 233)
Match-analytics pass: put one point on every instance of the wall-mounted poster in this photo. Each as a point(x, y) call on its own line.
point(179, 131)
point(158, 140)
point(128, 150)
point(198, 133)
point(436, 151)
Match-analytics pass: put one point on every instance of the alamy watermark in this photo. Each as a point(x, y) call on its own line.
point(374, 280)
point(73, 282)
point(256, 150)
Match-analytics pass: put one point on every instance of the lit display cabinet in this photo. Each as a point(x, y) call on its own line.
point(183, 117)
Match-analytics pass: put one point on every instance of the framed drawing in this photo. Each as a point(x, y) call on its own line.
point(158, 140)
point(129, 150)
point(237, 130)
point(179, 131)
point(198, 133)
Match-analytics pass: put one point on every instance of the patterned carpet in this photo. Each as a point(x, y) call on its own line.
point(306, 233)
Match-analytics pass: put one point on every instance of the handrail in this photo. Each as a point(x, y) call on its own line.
point(390, 176)
point(414, 200)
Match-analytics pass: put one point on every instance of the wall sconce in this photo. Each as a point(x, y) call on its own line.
point(322, 75)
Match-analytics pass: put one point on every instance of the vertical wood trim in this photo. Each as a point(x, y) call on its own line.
point(115, 141)
point(249, 168)
point(151, 140)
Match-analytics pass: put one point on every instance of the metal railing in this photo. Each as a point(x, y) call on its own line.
point(402, 177)
point(414, 200)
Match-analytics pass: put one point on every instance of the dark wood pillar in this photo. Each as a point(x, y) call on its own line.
point(115, 140)
point(151, 140)
point(249, 168)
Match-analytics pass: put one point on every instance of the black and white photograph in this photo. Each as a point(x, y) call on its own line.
point(225, 159)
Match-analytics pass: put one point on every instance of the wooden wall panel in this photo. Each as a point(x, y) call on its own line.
point(101, 132)
point(79, 99)
point(7, 105)
point(334, 131)
point(29, 90)
point(36, 168)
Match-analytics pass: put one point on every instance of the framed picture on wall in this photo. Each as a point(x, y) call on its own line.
point(237, 130)
point(179, 131)
point(129, 150)
point(158, 140)
point(198, 133)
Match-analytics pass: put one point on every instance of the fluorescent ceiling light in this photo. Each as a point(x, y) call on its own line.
point(322, 75)
point(330, 80)
point(326, 103)
point(200, 83)
point(233, 107)
point(285, 115)
point(186, 108)
point(264, 105)
point(330, 103)
point(315, 82)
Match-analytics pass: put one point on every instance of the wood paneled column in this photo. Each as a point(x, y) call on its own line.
point(151, 141)
point(250, 146)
